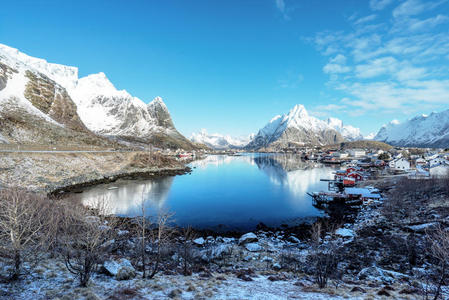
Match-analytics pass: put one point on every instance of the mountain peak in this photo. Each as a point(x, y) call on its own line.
point(298, 111)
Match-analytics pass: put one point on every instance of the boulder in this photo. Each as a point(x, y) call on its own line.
point(121, 269)
point(248, 238)
point(293, 239)
point(253, 247)
point(199, 241)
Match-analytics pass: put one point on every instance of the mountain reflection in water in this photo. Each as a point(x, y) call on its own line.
point(223, 192)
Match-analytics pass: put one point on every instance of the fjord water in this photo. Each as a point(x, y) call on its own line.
point(223, 192)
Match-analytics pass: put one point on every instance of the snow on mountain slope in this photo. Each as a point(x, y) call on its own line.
point(297, 127)
point(100, 106)
point(421, 131)
point(219, 141)
point(349, 132)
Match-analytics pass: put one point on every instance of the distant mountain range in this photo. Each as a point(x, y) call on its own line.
point(219, 141)
point(47, 103)
point(421, 131)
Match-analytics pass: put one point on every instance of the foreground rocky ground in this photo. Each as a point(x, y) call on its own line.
point(50, 172)
point(388, 251)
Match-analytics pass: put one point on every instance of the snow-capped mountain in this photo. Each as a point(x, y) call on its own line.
point(97, 104)
point(348, 132)
point(295, 128)
point(219, 141)
point(421, 131)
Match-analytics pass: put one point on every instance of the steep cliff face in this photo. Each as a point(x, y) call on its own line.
point(53, 100)
point(90, 105)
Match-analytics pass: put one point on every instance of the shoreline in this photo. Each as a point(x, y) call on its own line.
point(150, 174)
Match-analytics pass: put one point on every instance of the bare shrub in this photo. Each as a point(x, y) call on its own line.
point(153, 234)
point(83, 238)
point(439, 252)
point(324, 256)
point(188, 235)
point(25, 221)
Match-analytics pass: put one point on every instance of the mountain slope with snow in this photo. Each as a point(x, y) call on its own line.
point(293, 129)
point(219, 141)
point(420, 131)
point(348, 132)
point(93, 101)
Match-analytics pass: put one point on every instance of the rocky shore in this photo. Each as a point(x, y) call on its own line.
point(60, 172)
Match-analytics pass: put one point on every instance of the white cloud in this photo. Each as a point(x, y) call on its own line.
point(280, 4)
point(396, 65)
point(336, 65)
point(415, 7)
point(365, 19)
point(377, 67)
point(379, 4)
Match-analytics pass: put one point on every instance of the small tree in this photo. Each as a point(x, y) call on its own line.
point(384, 156)
point(323, 258)
point(24, 226)
point(439, 251)
point(188, 235)
point(83, 239)
point(154, 232)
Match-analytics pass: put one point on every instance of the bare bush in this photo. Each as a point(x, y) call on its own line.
point(324, 256)
point(188, 235)
point(83, 237)
point(153, 234)
point(439, 252)
point(25, 221)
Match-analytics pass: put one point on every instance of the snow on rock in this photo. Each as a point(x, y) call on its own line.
point(344, 232)
point(199, 241)
point(248, 238)
point(220, 141)
point(253, 247)
point(299, 127)
point(422, 227)
point(347, 131)
point(421, 131)
point(101, 107)
point(120, 269)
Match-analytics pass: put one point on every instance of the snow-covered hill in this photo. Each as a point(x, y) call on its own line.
point(421, 131)
point(299, 128)
point(219, 141)
point(96, 102)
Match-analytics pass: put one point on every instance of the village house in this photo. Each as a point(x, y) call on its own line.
point(399, 164)
point(439, 170)
point(356, 152)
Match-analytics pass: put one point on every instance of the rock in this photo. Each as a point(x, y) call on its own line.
point(248, 238)
point(345, 233)
point(121, 269)
point(421, 228)
point(248, 258)
point(253, 247)
point(293, 239)
point(380, 275)
point(199, 241)
point(276, 266)
point(383, 292)
point(357, 289)
point(125, 273)
point(267, 258)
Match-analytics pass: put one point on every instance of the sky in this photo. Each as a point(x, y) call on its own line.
point(231, 66)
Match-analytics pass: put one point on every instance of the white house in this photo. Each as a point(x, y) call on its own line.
point(437, 161)
point(340, 154)
point(439, 170)
point(356, 152)
point(400, 164)
point(420, 162)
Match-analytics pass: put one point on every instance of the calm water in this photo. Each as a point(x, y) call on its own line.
point(223, 192)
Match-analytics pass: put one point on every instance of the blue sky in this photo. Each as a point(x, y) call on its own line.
point(230, 66)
